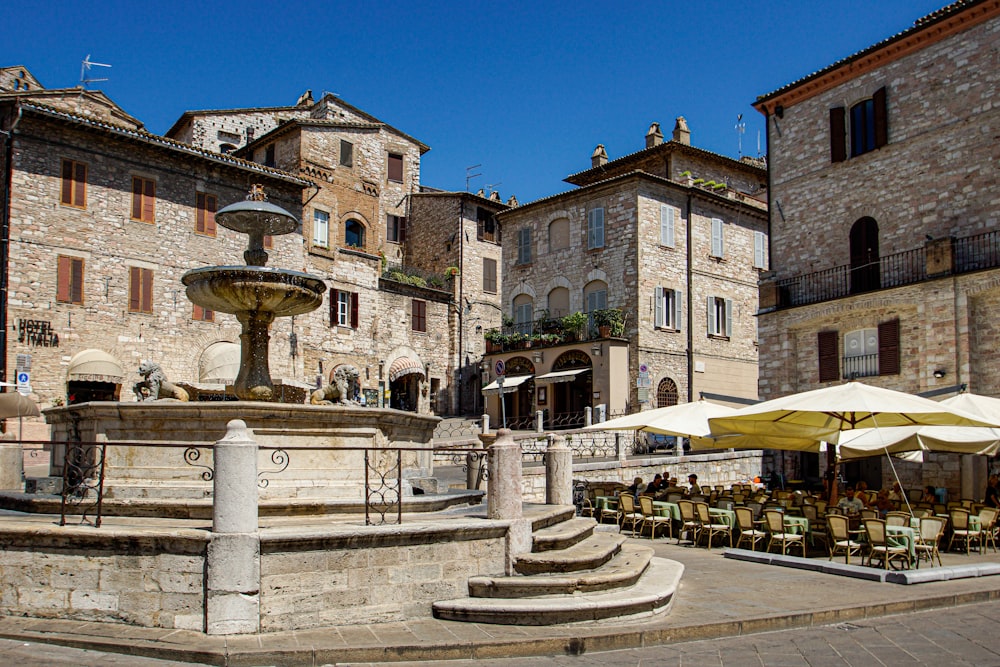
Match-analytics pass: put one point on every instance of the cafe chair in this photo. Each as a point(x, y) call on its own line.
point(962, 529)
point(840, 541)
point(627, 513)
point(897, 519)
point(779, 533)
point(880, 547)
point(928, 538)
point(652, 519)
point(748, 528)
point(988, 526)
point(689, 521)
point(713, 529)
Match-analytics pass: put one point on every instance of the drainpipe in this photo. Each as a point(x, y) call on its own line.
point(461, 301)
point(767, 168)
point(690, 299)
point(5, 238)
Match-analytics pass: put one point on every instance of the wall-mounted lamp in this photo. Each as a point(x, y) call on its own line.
point(538, 357)
point(939, 373)
point(596, 350)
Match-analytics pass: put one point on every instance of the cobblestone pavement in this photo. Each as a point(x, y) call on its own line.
point(960, 637)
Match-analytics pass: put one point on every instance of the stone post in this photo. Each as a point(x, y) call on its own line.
point(588, 416)
point(486, 423)
point(620, 447)
point(558, 472)
point(11, 464)
point(539, 421)
point(503, 495)
point(233, 586)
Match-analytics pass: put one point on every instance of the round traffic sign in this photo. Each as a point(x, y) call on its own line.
point(500, 367)
point(22, 378)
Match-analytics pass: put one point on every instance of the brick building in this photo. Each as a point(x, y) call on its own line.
point(671, 236)
point(885, 254)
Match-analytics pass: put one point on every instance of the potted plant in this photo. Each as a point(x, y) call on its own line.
point(495, 340)
point(574, 324)
point(451, 271)
point(609, 322)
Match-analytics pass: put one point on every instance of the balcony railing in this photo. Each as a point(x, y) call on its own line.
point(963, 255)
point(862, 366)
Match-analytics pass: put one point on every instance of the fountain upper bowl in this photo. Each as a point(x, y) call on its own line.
point(235, 289)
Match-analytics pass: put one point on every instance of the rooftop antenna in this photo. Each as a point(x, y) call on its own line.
point(490, 187)
point(85, 68)
point(469, 175)
point(759, 154)
point(741, 127)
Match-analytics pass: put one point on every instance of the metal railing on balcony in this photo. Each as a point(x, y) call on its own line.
point(862, 366)
point(973, 253)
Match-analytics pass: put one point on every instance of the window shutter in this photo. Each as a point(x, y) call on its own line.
point(136, 198)
point(729, 318)
point(711, 315)
point(134, 289)
point(717, 242)
point(76, 280)
point(666, 225)
point(334, 301)
point(149, 199)
point(759, 250)
point(678, 309)
point(199, 313)
point(838, 134)
point(199, 218)
point(881, 118)
point(67, 182)
point(354, 310)
point(658, 308)
point(396, 168)
point(402, 228)
point(888, 348)
point(147, 290)
point(211, 204)
point(829, 366)
point(63, 279)
point(80, 185)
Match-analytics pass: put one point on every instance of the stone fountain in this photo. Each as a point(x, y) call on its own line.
point(255, 293)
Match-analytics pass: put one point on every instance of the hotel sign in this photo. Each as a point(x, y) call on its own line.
point(38, 333)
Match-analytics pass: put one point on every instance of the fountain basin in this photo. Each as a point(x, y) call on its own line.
point(236, 289)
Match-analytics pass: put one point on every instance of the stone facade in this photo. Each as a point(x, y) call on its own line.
point(917, 199)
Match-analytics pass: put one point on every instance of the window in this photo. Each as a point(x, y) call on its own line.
point(869, 128)
point(559, 302)
point(74, 184)
point(667, 309)
point(487, 228)
point(418, 319)
point(269, 156)
point(140, 290)
point(395, 228)
point(718, 241)
point(202, 314)
point(558, 234)
point(595, 297)
point(343, 309)
point(395, 166)
point(354, 234)
point(268, 242)
point(205, 207)
point(720, 317)
point(759, 250)
point(69, 272)
point(143, 199)
point(321, 228)
point(867, 352)
point(524, 245)
point(861, 353)
point(595, 228)
point(346, 153)
point(489, 275)
point(667, 225)
point(666, 393)
point(829, 366)
point(523, 313)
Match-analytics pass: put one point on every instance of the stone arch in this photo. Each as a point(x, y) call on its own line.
point(667, 393)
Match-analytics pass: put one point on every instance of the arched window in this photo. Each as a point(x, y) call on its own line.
point(227, 148)
point(558, 234)
point(354, 234)
point(865, 269)
point(595, 297)
point(558, 302)
point(666, 393)
point(523, 313)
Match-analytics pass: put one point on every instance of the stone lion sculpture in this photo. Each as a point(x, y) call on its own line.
point(154, 384)
point(340, 390)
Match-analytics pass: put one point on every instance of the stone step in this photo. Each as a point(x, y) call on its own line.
point(563, 535)
point(652, 594)
point(589, 554)
point(554, 515)
point(621, 572)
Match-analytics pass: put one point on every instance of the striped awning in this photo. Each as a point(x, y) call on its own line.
point(94, 366)
point(404, 366)
point(510, 385)
point(561, 376)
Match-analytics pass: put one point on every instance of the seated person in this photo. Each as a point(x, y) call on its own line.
point(655, 485)
point(992, 496)
point(850, 503)
point(896, 495)
point(929, 495)
point(694, 490)
point(883, 504)
point(636, 487)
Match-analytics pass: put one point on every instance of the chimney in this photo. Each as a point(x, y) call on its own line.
point(599, 157)
point(654, 137)
point(681, 132)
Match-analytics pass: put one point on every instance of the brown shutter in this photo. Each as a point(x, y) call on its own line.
point(354, 310)
point(211, 205)
point(134, 289)
point(63, 279)
point(829, 362)
point(199, 218)
point(396, 168)
point(838, 134)
point(136, 198)
point(147, 290)
point(149, 200)
point(334, 299)
point(67, 182)
point(199, 314)
point(881, 118)
point(888, 348)
point(76, 280)
point(268, 241)
point(80, 185)
point(402, 228)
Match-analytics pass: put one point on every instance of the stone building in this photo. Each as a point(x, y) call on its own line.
point(673, 238)
point(885, 249)
point(100, 220)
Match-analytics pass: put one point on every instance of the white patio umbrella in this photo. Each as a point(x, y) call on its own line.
point(686, 420)
point(15, 404)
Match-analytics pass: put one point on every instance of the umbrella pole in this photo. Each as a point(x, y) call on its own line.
point(895, 476)
point(831, 472)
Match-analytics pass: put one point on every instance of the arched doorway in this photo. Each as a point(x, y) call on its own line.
point(865, 273)
point(520, 404)
point(666, 393)
point(405, 375)
point(570, 386)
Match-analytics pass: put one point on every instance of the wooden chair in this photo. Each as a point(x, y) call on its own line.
point(878, 545)
point(689, 521)
point(748, 528)
point(869, 514)
point(607, 512)
point(776, 527)
point(652, 519)
point(988, 526)
point(627, 512)
point(897, 519)
point(840, 541)
point(589, 505)
point(960, 528)
point(817, 524)
point(928, 538)
point(713, 529)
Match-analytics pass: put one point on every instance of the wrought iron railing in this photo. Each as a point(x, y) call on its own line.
point(565, 420)
point(862, 366)
point(974, 253)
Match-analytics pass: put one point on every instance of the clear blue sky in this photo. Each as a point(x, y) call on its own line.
point(526, 89)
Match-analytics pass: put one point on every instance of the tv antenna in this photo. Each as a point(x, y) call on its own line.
point(490, 187)
point(469, 175)
point(741, 127)
point(85, 68)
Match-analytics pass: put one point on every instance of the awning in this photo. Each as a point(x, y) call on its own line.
point(561, 376)
point(94, 366)
point(404, 366)
point(220, 363)
point(510, 385)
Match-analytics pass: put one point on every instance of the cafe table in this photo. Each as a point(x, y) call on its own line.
point(664, 508)
point(728, 517)
point(903, 536)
